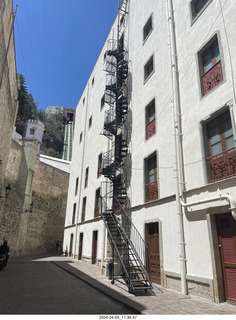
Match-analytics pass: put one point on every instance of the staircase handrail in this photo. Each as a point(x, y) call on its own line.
point(145, 255)
point(117, 251)
point(134, 249)
point(131, 246)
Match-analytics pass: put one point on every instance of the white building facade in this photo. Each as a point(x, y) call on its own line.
point(180, 168)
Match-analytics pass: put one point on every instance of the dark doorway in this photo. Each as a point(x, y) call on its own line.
point(71, 244)
point(226, 227)
point(94, 248)
point(154, 252)
point(81, 236)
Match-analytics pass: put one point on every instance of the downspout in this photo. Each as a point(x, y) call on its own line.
point(178, 163)
point(220, 197)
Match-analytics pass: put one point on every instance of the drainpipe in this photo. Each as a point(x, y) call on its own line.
point(220, 197)
point(178, 163)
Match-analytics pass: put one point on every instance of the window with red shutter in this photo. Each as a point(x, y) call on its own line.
point(150, 120)
point(222, 159)
point(86, 178)
point(212, 72)
point(97, 203)
point(74, 212)
point(151, 179)
point(83, 209)
point(76, 185)
point(99, 165)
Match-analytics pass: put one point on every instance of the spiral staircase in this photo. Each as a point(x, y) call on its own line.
point(127, 246)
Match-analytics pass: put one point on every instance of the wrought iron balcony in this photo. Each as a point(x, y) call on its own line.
point(151, 129)
point(222, 165)
point(212, 78)
point(151, 191)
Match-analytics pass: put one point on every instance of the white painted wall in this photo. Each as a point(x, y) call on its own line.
point(55, 162)
point(190, 39)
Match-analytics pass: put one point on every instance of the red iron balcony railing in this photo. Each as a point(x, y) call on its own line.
point(151, 129)
point(151, 191)
point(212, 78)
point(222, 165)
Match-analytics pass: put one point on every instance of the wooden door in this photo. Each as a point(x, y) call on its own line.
point(226, 227)
point(154, 253)
point(94, 249)
point(71, 244)
point(81, 236)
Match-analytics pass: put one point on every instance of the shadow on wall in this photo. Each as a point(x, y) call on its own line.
point(128, 135)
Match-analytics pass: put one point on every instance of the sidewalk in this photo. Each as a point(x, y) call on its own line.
point(161, 301)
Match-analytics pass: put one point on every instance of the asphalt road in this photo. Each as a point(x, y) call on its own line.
point(35, 287)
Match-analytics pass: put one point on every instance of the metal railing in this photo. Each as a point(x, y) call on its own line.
point(136, 239)
point(151, 191)
point(222, 165)
point(134, 245)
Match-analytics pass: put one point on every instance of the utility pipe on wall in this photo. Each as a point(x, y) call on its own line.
point(178, 163)
point(220, 197)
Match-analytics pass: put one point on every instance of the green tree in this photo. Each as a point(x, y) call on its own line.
point(53, 138)
point(51, 153)
point(41, 114)
point(27, 105)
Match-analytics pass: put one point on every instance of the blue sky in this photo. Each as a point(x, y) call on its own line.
point(57, 45)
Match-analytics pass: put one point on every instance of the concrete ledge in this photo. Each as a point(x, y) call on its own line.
point(197, 286)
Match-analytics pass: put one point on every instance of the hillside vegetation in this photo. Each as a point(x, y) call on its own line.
point(54, 123)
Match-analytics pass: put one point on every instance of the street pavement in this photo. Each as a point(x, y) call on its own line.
point(33, 286)
point(61, 285)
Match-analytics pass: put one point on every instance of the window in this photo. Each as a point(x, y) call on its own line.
point(122, 20)
point(90, 122)
point(74, 212)
point(148, 68)
point(104, 57)
point(197, 6)
point(97, 203)
point(99, 165)
point(76, 186)
point(86, 178)
point(211, 56)
point(150, 120)
point(221, 145)
point(147, 28)
point(121, 42)
point(83, 101)
point(151, 178)
point(211, 67)
point(32, 131)
point(102, 101)
point(92, 81)
point(83, 209)
point(80, 137)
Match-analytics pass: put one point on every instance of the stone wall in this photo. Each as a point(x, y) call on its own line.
point(32, 218)
point(49, 201)
point(8, 84)
point(30, 229)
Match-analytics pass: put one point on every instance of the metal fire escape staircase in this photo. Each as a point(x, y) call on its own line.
point(129, 246)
